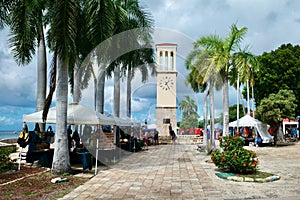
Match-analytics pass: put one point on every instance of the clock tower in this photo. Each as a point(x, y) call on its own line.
point(166, 88)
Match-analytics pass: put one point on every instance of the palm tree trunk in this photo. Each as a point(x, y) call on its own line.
point(95, 93)
point(212, 116)
point(248, 99)
point(205, 139)
point(225, 106)
point(241, 98)
point(117, 101)
point(128, 97)
point(61, 158)
point(253, 102)
point(76, 88)
point(100, 91)
point(117, 91)
point(41, 75)
point(238, 102)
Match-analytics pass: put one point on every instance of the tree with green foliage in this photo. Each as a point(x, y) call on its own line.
point(276, 107)
point(233, 112)
point(279, 70)
point(189, 114)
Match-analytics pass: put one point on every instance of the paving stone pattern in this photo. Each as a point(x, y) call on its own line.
point(181, 172)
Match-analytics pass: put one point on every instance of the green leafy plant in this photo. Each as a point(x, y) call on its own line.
point(232, 157)
point(5, 162)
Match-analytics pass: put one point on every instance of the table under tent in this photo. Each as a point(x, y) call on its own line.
point(261, 129)
point(96, 142)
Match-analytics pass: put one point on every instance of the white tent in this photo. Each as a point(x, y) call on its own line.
point(119, 121)
point(260, 128)
point(76, 114)
point(247, 120)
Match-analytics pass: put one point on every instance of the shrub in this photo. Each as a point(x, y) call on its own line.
point(233, 157)
point(5, 161)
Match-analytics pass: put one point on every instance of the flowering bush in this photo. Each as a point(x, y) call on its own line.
point(233, 157)
point(5, 162)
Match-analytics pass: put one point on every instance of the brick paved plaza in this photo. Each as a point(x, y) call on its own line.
point(181, 172)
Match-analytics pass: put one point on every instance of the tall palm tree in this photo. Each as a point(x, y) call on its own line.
point(246, 63)
point(139, 60)
point(139, 21)
point(189, 114)
point(80, 74)
point(100, 26)
point(195, 80)
point(63, 35)
point(26, 20)
point(221, 51)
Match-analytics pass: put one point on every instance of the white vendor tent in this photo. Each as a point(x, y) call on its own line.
point(120, 121)
point(260, 128)
point(76, 114)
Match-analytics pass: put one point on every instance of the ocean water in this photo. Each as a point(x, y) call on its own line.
point(9, 134)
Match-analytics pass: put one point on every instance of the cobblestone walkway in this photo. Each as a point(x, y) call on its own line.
point(180, 172)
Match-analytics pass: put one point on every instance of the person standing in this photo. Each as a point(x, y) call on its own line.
point(156, 137)
point(145, 140)
point(172, 134)
point(170, 128)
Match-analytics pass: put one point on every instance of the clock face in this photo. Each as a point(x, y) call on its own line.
point(166, 83)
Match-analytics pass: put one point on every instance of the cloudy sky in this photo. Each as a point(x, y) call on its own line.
point(270, 23)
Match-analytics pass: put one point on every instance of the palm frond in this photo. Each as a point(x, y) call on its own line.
point(63, 28)
point(23, 27)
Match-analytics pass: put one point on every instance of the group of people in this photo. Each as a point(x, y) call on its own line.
point(146, 136)
point(291, 132)
point(74, 141)
point(35, 139)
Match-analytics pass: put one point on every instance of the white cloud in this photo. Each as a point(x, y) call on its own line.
point(270, 23)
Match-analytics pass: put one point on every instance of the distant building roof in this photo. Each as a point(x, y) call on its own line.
point(166, 44)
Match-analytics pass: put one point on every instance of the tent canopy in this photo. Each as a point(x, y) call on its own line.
point(260, 128)
point(77, 114)
point(247, 120)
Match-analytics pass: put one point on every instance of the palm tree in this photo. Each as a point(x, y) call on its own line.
point(196, 80)
point(221, 53)
point(246, 63)
point(189, 115)
point(63, 35)
point(101, 25)
point(138, 24)
point(138, 60)
point(26, 22)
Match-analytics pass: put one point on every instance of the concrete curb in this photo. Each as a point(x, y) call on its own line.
point(232, 177)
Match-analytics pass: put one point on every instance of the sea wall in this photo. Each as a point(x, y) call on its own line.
point(9, 141)
point(4, 145)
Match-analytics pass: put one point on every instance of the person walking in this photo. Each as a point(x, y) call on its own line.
point(145, 140)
